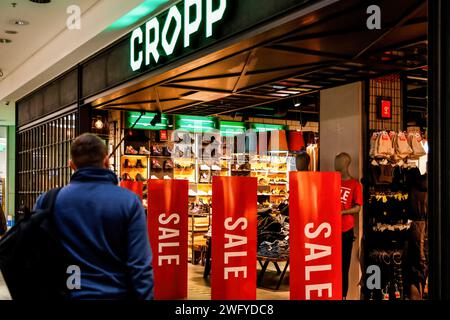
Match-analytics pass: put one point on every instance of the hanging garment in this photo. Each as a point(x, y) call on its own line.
point(385, 148)
point(416, 145)
point(373, 145)
point(418, 268)
point(402, 148)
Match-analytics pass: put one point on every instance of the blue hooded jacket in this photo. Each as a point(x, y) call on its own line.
point(104, 229)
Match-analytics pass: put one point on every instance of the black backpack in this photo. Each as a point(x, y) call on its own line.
point(32, 259)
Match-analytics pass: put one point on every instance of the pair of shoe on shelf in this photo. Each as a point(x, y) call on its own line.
point(166, 177)
point(142, 151)
point(214, 167)
point(127, 177)
point(139, 165)
point(167, 164)
point(159, 151)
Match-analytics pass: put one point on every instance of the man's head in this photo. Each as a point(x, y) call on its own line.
point(88, 150)
point(302, 161)
point(342, 162)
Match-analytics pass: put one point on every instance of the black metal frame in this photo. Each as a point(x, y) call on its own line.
point(42, 163)
point(439, 156)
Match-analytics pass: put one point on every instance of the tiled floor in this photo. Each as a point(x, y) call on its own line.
point(199, 288)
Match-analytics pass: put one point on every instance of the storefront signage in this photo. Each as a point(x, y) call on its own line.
point(384, 106)
point(168, 230)
point(173, 30)
point(315, 236)
point(233, 275)
point(145, 121)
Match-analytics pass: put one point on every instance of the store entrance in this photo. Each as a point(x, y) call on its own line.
point(326, 87)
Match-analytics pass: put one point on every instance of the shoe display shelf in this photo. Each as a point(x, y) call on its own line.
point(272, 175)
point(134, 167)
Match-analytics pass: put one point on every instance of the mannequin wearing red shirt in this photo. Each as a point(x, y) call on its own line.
point(351, 202)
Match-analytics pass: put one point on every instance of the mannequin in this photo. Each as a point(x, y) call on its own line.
point(302, 161)
point(351, 202)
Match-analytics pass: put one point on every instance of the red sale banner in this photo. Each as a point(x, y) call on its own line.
point(315, 236)
point(135, 186)
point(168, 229)
point(233, 275)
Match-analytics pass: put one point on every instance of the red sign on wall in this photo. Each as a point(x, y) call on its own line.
point(315, 236)
point(168, 230)
point(135, 186)
point(233, 275)
point(384, 108)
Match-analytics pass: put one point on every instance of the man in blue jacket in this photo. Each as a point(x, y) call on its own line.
point(103, 228)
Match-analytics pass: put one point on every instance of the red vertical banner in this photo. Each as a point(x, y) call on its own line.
point(168, 230)
point(315, 236)
point(135, 186)
point(234, 205)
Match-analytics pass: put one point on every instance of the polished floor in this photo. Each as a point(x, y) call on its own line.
point(199, 288)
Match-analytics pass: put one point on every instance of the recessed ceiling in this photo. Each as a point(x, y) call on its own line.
point(42, 23)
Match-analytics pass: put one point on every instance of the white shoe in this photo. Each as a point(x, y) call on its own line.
point(204, 167)
point(167, 178)
point(143, 150)
point(154, 177)
point(215, 168)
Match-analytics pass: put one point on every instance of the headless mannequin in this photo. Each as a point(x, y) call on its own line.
point(341, 164)
point(302, 161)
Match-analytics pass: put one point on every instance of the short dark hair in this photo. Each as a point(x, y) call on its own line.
point(88, 150)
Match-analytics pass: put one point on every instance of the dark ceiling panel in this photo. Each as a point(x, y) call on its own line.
point(410, 33)
point(219, 84)
point(233, 65)
point(294, 60)
point(348, 44)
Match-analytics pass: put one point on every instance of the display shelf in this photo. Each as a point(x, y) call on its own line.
point(136, 155)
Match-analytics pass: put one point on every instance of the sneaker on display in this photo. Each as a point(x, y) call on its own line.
point(215, 167)
point(167, 152)
point(156, 164)
point(130, 150)
point(192, 193)
point(139, 177)
point(156, 151)
point(127, 164)
point(154, 177)
point(204, 167)
point(167, 178)
point(126, 177)
point(143, 150)
point(139, 164)
point(168, 164)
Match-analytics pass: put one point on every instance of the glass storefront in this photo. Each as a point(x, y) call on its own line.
point(258, 106)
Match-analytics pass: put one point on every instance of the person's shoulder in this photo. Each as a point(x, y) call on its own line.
point(119, 192)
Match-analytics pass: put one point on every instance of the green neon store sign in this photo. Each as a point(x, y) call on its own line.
point(161, 35)
point(145, 121)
